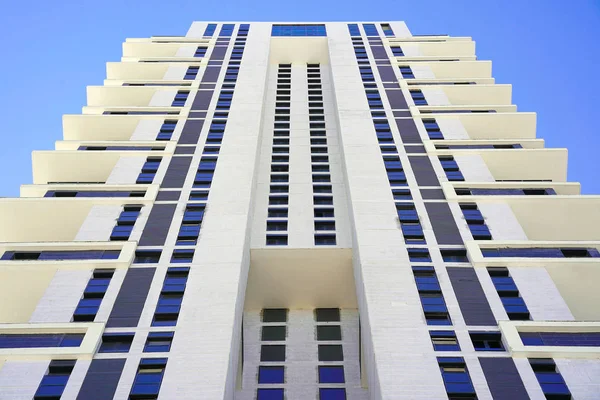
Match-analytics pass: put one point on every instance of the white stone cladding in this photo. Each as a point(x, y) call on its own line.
point(411, 50)
point(501, 221)
point(162, 98)
point(19, 380)
point(422, 71)
point(474, 168)
point(400, 29)
point(126, 171)
point(452, 128)
point(175, 72)
point(62, 296)
point(186, 51)
point(435, 97)
point(99, 223)
point(540, 294)
point(581, 376)
point(147, 129)
point(382, 271)
point(211, 313)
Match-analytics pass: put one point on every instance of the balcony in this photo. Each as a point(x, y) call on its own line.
point(115, 127)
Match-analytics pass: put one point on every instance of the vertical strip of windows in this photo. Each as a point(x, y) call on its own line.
point(418, 97)
point(191, 73)
point(277, 214)
point(171, 297)
point(226, 30)
point(513, 303)
point(148, 378)
point(324, 222)
point(167, 129)
point(92, 295)
point(271, 369)
point(55, 380)
point(433, 129)
point(387, 30)
point(331, 354)
point(210, 30)
point(457, 380)
point(125, 223)
point(149, 170)
point(476, 222)
point(200, 52)
point(550, 379)
point(451, 169)
point(397, 52)
point(406, 71)
point(430, 292)
point(353, 29)
point(370, 30)
point(180, 98)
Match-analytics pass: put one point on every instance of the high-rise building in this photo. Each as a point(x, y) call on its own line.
point(300, 211)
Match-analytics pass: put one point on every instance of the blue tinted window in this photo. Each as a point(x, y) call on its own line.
point(579, 339)
point(149, 377)
point(270, 374)
point(54, 382)
point(550, 379)
point(353, 29)
point(210, 30)
point(332, 394)
point(226, 30)
point(269, 394)
point(158, 342)
point(387, 30)
point(331, 374)
point(298, 30)
point(13, 341)
point(444, 341)
point(116, 342)
point(370, 30)
point(455, 375)
point(419, 255)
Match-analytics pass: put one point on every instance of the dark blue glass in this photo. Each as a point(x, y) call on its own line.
point(331, 374)
point(370, 30)
point(269, 394)
point(353, 29)
point(271, 374)
point(210, 30)
point(332, 394)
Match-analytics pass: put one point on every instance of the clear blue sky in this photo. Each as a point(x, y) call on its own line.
point(548, 50)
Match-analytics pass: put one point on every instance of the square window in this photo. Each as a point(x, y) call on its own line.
point(274, 315)
point(182, 256)
point(332, 394)
point(274, 352)
point(273, 333)
point(330, 352)
point(268, 374)
point(269, 394)
point(146, 256)
point(158, 342)
point(277, 240)
point(487, 341)
point(327, 314)
point(116, 342)
point(331, 374)
point(329, 332)
point(444, 341)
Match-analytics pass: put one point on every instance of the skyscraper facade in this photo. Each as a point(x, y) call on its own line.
point(268, 211)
